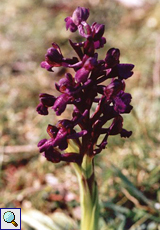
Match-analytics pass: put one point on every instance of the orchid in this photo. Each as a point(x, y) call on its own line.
point(83, 89)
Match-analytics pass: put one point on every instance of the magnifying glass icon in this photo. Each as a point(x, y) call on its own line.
point(9, 217)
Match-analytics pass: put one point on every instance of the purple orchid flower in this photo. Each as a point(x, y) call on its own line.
point(46, 100)
point(79, 15)
point(82, 87)
point(54, 58)
point(97, 33)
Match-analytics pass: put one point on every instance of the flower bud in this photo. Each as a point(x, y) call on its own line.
point(97, 30)
point(112, 57)
point(47, 99)
point(113, 89)
point(53, 57)
point(80, 14)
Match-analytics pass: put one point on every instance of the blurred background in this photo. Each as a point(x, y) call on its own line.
point(128, 170)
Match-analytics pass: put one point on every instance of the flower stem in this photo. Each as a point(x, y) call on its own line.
point(88, 194)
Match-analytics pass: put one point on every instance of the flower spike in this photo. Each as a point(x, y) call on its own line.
point(82, 87)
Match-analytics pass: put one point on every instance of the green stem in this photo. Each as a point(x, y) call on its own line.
point(88, 194)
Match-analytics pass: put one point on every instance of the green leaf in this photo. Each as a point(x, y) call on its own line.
point(117, 208)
